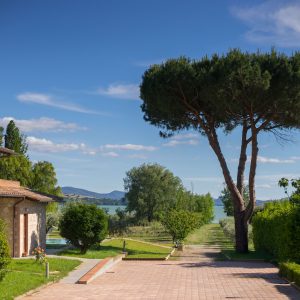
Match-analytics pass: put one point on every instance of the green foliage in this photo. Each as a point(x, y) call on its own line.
point(276, 229)
point(1, 136)
point(227, 201)
point(290, 271)
point(179, 223)
point(16, 168)
point(256, 91)
point(295, 183)
point(52, 220)
point(119, 222)
point(203, 204)
point(4, 251)
point(83, 225)
point(40, 177)
point(221, 88)
point(14, 140)
point(44, 178)
point(151, 190)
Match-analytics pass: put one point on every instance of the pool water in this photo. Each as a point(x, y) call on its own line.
point(56, 241)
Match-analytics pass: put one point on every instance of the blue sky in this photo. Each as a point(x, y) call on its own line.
point(70, 72)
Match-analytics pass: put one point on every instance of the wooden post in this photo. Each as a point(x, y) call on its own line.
point(47, 270)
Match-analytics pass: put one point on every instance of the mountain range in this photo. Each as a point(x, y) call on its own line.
point(114, 195)
point(117, 195)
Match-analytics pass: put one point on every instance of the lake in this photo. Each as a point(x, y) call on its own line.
point(219, 212)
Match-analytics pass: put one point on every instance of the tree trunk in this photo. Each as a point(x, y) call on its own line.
point(241, 222)
point(241, 232)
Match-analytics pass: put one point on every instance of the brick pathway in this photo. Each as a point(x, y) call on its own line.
point(178, 280)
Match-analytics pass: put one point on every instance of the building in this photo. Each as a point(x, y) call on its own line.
point(24, 213)
point(6, 152)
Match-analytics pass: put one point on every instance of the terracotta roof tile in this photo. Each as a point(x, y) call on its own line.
point(13, 189)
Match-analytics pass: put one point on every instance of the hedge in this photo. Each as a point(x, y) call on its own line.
point(290, 271)
point(276, 230)
point(4, 251)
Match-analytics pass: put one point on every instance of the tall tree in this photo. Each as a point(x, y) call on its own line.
point(151, 189)
point(44, 178)
point(255, 92)
point(16, 168)
point(14, 140)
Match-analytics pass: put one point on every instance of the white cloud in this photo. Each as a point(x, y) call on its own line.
point(132, 147)
point(121, 91)
point(49, 100)
point(41, 124)
point(44, 145)
point(273, 22)
point(295, 157)
point(183, 139)
point(110, 154)
point(264, 186)
point(269, 160)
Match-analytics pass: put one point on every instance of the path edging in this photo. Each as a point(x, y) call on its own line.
point(99, 269)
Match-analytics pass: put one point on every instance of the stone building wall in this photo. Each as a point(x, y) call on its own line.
point(36, 224)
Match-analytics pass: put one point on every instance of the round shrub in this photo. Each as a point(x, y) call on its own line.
point(4, 251)
point(83, 225)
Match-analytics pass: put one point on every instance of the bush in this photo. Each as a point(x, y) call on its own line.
point(4, 251)
point(291, 271)
point(179, 223)
point(83, 225)
point(276, 229)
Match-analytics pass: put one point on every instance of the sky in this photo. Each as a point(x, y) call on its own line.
point(70, 74)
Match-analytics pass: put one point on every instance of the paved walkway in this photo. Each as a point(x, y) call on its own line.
point(195, 276)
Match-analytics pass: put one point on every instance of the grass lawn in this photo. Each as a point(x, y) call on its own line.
point(155, 233)
point(25, 274)
point(212, 234)
point(135, 249)
point(54, 234)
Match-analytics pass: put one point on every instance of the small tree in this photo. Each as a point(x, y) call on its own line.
point(179, 223)
point(14, 140)
point(4, 251)
point(83, 225)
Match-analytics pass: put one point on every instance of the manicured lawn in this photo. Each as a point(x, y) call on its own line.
point(212, 234)
point(25, 274)
point(154, 233)
point(135, 249)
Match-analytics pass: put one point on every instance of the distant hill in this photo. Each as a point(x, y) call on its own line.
point(114, 195)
